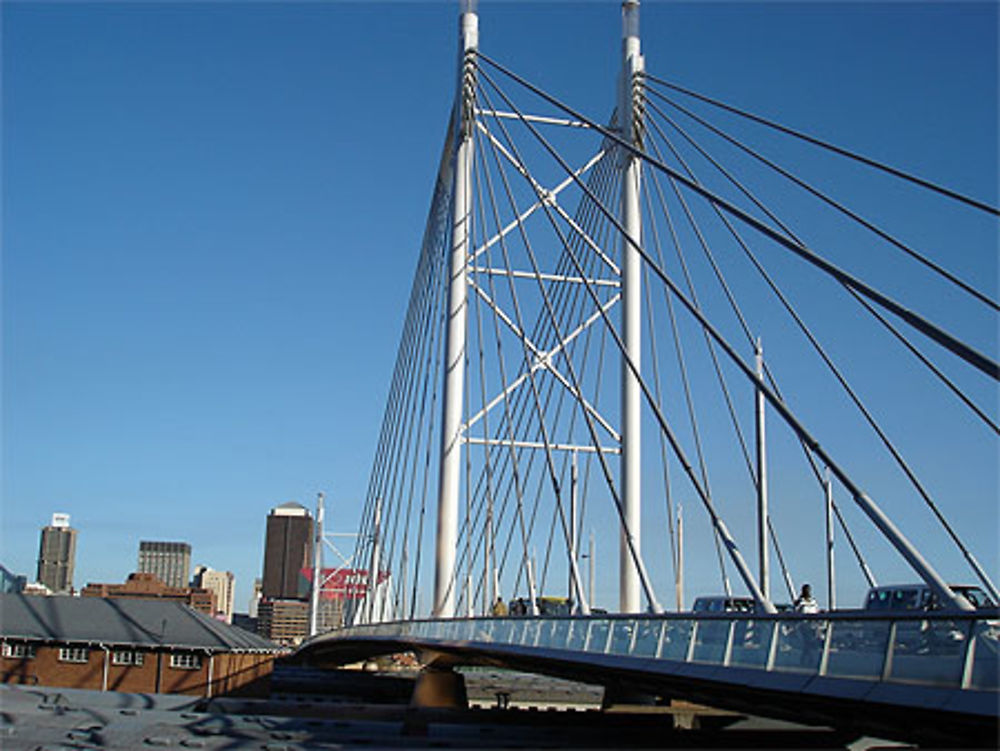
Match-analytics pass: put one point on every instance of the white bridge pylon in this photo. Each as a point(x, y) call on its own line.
point(582, 353)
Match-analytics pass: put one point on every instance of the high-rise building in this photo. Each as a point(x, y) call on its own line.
point(222, 583)
point(287, 550)
point(56, 554)
point(170, 562)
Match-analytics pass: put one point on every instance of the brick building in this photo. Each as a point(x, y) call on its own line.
point(140, 586)
point(138, 646)
point(283, 621)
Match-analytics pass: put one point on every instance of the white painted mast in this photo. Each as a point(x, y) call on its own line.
point(573, 478)
point(762, 512)
point(376, 564)
point(454, 379)
point(631, 318)
point(679, 584)
point(831, 578)
point(317, 577)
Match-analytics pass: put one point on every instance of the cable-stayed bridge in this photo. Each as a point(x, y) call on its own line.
point(621, 327)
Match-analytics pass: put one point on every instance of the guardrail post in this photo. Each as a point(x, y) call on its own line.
point(607, 641)
point(970, 656)
point(660, 638)
point(693, 636)
point(772, 651)
point(635, 633)
point(728, 652)
point(889, 649)
point(827, 640)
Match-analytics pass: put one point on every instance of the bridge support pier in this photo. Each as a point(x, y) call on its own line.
point(439, 688)
point(617, 695)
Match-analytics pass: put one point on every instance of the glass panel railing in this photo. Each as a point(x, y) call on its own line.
point(929, 652)
point(597, 640)
point(647, 638)
point(621, 637)
point(483, 630)
point(531, 629)
point(554, 634)
point(985, 666)
point(751, 643)
point(576, 635)
point(942, 650)
point(800, 646)
point(517, 634)
point(857, 649)
point(503, 631)
point(710, 641)
point(676, 638)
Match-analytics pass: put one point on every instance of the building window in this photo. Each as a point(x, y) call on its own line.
point(73, 654)
point(19, 651)
point(185, 661)
point(126, 658)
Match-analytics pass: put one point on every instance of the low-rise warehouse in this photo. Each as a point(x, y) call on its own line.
point(142, 646)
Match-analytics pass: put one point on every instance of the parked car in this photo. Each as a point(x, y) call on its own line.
point(546, 606)
point(723, 604)
point(921, 597)
point(924, 637)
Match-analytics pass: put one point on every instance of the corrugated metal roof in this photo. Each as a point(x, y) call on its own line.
point(147, 623)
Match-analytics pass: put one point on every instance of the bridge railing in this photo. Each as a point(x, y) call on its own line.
point(953, 650)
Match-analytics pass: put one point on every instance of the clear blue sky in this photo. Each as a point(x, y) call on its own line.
point(211, 214)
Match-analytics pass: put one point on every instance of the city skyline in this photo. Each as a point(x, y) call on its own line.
point(212, 214)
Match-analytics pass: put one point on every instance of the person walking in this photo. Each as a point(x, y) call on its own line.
point(805, 602)
point(499, 608)
point(809, 632)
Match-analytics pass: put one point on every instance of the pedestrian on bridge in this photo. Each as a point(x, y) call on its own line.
point(809, 632)
point(499, 608)
point(805, 602)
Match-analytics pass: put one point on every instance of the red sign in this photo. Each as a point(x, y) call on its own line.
point(342, 583)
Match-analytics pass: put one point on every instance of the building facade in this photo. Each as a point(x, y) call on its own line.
point(288, 548)
point(222, 585)
point(283, 621)
point(149, 587)
point(131, 646)
point(255, 597)
point(56, 555)
point(170, 562)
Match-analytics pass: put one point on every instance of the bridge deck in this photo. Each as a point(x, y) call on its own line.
point(866, 671)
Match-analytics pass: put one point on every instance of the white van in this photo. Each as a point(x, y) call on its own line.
point(921, 597)
point(723, 604)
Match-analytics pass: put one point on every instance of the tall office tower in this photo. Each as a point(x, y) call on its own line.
point(56, 553)
point(287, 550)
point(222, 583)
point(170, 562)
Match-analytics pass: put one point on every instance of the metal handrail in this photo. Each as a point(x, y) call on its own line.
point(941, 648)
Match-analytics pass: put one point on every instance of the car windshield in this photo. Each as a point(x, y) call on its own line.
point(976, 597)
point(905, 599)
